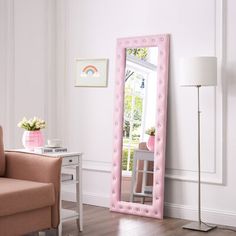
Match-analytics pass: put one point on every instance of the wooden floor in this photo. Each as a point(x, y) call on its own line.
point(99, 221)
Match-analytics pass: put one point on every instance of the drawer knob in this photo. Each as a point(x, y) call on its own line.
point(70, 160)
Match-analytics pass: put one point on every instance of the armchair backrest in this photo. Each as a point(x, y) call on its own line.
point(2, 155)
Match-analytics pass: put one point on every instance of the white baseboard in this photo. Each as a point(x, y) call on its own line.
point(88, 198)
point(213, 216)
point(96, 200)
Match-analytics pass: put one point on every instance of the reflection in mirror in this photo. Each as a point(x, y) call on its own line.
point(140, 95)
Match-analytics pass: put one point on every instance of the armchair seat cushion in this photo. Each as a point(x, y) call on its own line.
point(20, 196)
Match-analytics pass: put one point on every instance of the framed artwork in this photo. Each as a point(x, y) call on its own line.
point(91, 72)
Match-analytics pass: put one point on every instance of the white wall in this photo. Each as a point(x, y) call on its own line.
point(39, 41)
point(91, 30)
point(27, 75)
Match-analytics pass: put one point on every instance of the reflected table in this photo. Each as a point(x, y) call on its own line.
point(146, 191)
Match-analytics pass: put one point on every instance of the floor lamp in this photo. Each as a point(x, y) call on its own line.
point(197, 72)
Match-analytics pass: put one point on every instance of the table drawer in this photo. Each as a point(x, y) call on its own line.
point(72, 160)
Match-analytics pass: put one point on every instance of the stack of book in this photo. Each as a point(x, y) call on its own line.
point(44, 150)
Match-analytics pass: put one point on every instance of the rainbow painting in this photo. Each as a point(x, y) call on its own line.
point(90, 70)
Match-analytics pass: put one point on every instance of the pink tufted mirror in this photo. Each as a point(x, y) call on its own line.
point(140, 102)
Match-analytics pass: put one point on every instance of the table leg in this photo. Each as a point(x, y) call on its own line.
point(79, 196)
point(144, 182)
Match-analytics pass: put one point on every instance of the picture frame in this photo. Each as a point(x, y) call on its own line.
point(91, 72)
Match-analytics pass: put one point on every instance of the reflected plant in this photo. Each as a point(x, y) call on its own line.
point(151, 131)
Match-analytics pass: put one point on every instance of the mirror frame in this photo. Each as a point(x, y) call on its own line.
point(156, 209)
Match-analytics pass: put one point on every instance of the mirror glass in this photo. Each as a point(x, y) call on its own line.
point(139, 119)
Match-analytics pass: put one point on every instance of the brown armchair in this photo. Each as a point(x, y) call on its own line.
point(29, 192)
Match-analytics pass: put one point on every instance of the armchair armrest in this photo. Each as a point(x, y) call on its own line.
point(37, 168)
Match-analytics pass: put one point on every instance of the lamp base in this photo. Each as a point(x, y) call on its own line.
point(198, 226)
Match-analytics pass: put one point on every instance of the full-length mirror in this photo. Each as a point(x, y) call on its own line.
point(140, 93)
point(140, 125)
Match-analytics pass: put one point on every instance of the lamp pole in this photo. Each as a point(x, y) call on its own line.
point(199, 226)
point(199, 156)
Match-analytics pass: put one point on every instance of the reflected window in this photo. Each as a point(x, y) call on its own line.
point(133, 113)
point(139, 100)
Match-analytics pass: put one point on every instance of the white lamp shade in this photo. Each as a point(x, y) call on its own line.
point(198, 71)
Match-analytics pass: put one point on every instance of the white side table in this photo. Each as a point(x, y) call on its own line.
point(146, 156)
point(69, 159)
point(72, 159)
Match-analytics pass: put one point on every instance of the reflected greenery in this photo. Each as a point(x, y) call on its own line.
point(125, 159)
point(140, 53)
